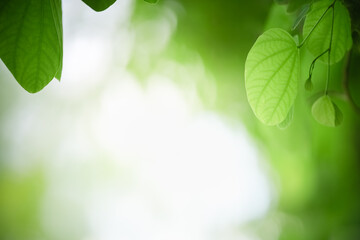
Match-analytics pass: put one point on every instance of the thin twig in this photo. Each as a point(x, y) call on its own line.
point(329, 52)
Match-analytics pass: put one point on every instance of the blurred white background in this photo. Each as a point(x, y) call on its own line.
point(131, 160)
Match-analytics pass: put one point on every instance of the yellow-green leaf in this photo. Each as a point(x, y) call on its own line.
point(271, 76)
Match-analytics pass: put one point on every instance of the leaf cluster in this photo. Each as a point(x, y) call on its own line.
point(272, 67)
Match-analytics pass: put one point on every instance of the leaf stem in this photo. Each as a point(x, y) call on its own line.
point(330, 44)
point(312, 66)
point(317, 23)
point(334, 94)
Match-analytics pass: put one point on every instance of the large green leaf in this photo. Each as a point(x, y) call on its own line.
point(271, 75)
point(326, 112)
point(319, 40)
point(99, 5)
point(31, 41)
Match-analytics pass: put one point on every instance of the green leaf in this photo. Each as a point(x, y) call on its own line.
point(326, 112)
point(286, 123)
point(99, 5)
point(31, 41)
point(319, 40)
point(271, 76)
point(58, 24)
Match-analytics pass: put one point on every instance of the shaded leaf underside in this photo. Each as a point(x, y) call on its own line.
point(319, 40)
point(99, 5)
point(326, 112)
point(31, 41)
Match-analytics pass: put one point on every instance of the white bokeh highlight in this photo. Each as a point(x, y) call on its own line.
point(125, 160)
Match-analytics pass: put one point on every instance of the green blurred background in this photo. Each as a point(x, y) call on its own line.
point(200, 47)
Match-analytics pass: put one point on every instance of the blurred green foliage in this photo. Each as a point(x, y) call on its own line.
point(20, 205)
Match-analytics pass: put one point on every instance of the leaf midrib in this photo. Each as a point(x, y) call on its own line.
point(287, 85)
point(270, 79)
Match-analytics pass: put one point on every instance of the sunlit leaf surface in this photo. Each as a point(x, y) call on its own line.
point(271, 75)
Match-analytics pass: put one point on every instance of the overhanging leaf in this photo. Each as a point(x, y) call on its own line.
point(319, 40)
point(31, 41)
point(326, 112)
point(55, 5)
point(99, 5)
point(271, 76)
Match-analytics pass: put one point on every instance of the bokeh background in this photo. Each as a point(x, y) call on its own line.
point(149, 135)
